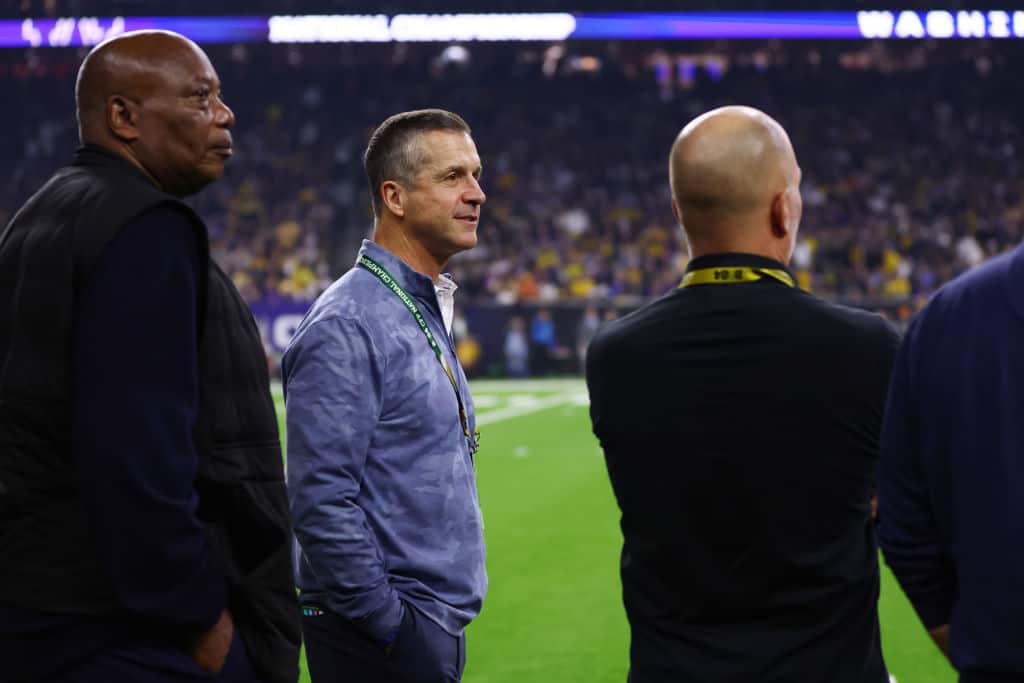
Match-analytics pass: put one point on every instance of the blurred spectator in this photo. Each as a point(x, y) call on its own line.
point(467, 348)
point(585, 332)
point(543, 343)
point(517, 349)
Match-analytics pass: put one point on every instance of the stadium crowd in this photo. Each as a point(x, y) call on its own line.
point(910, 157)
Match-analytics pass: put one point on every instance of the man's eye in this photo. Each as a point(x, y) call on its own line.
point(202, 93)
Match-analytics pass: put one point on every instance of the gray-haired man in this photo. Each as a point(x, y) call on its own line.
point(381, 426)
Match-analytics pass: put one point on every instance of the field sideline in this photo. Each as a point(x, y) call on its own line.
point(553, 613)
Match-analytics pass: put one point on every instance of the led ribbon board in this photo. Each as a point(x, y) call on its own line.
point(552, 26)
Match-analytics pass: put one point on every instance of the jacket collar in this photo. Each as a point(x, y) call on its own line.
point(95, 156)
point(735, 259)
point(413, 282)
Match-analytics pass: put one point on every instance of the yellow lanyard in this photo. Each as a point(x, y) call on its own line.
point(734, 274)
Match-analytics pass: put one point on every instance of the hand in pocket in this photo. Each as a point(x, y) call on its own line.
point(423, 652)
point(210, 649)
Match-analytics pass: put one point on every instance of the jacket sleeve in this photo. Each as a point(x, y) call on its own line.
point(907, 529)
point(334, 379)
point(135, 404)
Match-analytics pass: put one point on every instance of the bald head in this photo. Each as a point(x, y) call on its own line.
point(131, 65)
point(153, 98)
point(731, 169)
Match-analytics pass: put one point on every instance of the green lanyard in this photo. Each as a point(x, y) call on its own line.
point(733, 275)
point(384, 276)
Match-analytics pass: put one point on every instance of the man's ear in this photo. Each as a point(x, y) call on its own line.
point(393, 196)
point(122, 118)
point(780, 215)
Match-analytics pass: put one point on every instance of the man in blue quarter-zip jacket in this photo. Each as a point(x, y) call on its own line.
point(381, 431)
point(951, 479)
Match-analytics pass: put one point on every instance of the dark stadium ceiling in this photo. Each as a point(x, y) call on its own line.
point(80, 8)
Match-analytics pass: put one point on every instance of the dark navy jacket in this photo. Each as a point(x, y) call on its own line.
point(170, 575)
point(141, 483)
point(951, 480)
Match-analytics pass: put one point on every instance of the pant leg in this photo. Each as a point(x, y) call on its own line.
point(462, 656)
point(150, 662)
point(424, 652)
point(338, 652)
point(136, 663)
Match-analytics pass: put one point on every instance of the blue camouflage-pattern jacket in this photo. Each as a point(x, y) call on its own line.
point(380, 475)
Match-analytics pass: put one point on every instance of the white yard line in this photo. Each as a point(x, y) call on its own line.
point(492, 416)
point(523, 386)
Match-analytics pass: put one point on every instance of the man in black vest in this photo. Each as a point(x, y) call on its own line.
point(740, 421)
point(143, 514)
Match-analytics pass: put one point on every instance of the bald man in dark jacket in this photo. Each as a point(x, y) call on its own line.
point(739, 418)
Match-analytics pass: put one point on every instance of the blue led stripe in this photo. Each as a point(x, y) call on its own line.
point(537, 27)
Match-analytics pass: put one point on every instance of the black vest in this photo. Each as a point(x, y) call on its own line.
point(46, 256)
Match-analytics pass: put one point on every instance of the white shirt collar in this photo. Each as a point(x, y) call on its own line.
point(445, 289)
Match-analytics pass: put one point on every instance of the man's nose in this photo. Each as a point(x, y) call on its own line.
point(475, 194)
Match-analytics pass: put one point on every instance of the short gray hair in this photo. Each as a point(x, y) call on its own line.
point(392, 153)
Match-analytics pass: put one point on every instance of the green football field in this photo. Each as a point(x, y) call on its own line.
point(553, 613)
